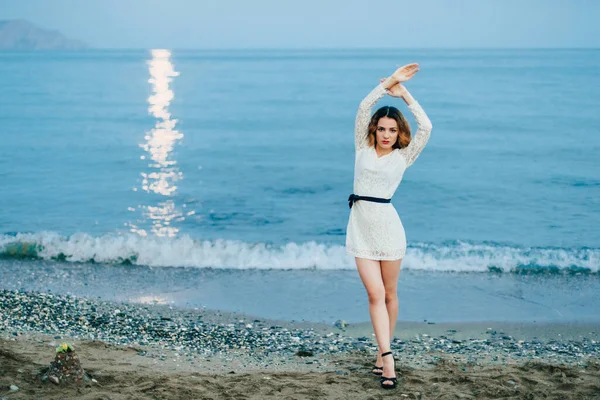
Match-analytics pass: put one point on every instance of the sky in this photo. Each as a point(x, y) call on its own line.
point(211, 24)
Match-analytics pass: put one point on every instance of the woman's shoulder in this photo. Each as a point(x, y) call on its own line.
point(402, 155)
point(365, 149)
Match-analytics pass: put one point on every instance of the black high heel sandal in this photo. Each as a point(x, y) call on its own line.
point(384, 379)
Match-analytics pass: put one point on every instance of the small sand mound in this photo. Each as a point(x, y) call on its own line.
point(66, 368)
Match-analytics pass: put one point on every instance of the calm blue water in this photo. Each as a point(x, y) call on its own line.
point(244, 159)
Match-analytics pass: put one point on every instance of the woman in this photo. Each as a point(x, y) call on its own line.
point(375, 235)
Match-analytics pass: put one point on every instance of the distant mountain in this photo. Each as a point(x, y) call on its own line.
point(23, 35)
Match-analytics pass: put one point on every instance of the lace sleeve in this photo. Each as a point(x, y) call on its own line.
point(418, 142)
point(363, 116)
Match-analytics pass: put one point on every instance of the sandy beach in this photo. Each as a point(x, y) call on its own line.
point(158, 352)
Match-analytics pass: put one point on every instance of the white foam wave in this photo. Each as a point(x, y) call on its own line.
point(469, 257)
point(188, 252)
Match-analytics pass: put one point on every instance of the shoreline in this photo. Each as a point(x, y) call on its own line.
point(275, 294)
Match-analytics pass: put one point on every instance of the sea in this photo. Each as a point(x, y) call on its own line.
point(219, 179)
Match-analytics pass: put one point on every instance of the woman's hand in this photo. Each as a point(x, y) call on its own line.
point(402, 74)
point(405, 72)
point(397, 90)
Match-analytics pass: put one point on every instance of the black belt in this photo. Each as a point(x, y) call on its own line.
point(354, 198)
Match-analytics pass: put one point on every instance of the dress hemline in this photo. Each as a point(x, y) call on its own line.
point(374, 257)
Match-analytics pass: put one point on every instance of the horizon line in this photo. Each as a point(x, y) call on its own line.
point(300, 48)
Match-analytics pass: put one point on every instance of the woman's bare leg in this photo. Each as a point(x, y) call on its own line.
point(390, 271)
point(370, 274)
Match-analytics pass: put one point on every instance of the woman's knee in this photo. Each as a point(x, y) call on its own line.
point(391, 295)
point(376, 296)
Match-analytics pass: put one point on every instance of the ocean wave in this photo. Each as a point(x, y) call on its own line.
point(185, 251)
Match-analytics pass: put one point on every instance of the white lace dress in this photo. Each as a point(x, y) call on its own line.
point(374, 230)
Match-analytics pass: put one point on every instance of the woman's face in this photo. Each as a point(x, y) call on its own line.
point(387, 132)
